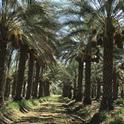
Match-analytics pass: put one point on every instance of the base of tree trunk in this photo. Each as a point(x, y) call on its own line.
point(27, 98)
point(16, 98)
point(87, 101)
point(67, 91)
point(122, 93)
point(98, 118)
point(106, 106)
point(1, 102)
point(79, 97)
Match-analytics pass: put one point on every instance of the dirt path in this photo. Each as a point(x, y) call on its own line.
point(50, 112)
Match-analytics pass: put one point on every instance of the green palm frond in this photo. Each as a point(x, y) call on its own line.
point(33, 24)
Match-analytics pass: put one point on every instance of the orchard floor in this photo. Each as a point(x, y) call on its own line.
point(58, 110)
point(49, 112)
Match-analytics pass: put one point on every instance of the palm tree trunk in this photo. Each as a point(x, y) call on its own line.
point(79, 95)
point(41, 85)
point(30, 76)
point(7, 88)
point(98, 94)
point(21, 70)
point(24, 89)
point(67, 89)
point(115, 86)
point(75, 88)
point(8, 79)
point(47, 88)
point(122, 91)
point(107, 102)
point(35, 84)
point(14, 85)
point(41, 88)
point(93, 91)
point(64, 91)
point(3, 54)
point(87, 93)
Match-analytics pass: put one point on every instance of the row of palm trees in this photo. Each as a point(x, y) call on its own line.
point(93, 25)
point(27, 27)
point(27, 80)
point(30, 27)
